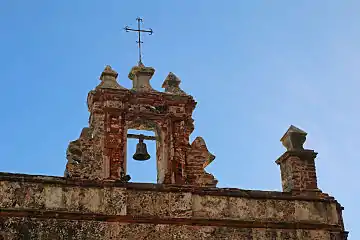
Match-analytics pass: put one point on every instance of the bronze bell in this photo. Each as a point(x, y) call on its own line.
point(141, 153)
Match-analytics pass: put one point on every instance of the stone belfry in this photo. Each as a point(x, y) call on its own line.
point(96, 201)
point(100, 151)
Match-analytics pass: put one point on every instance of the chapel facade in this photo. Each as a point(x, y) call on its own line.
point(95, 199)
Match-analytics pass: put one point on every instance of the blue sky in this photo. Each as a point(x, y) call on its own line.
point(255, 67)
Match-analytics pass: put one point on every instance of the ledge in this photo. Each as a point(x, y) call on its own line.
point(229, 192)
point(45, 202)
point(305, 225)
point(302, 154)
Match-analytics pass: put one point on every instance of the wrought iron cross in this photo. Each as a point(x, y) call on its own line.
point(139, 31)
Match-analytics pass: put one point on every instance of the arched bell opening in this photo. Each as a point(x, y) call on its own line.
point(141, 156)
point(144, 152)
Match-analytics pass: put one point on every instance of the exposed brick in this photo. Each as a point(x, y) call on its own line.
point(96, 201)
point(114, 110)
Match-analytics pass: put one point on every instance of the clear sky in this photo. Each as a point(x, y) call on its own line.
point(255, 67)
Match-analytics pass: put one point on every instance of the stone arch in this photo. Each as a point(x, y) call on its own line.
point(161, 146)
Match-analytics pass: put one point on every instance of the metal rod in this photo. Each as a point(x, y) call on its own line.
point(135, 30)
point(138, 136)
point(139, 41)
point(139, 31)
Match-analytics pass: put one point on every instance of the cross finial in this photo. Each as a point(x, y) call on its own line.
point(139, 31)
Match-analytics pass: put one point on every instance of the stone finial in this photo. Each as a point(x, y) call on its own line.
point(108, 79)
point(297, 165)
point(294, 139)
point(141, 75)
point(172, 84)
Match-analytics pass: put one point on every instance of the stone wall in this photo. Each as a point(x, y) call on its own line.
point(53, 229)
point(38, 207)
point(95, 200)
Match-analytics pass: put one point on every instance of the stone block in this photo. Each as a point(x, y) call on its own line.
point(311, 211)
point(21, 195)
point(180, 204)
point(53, 196)
point(147, 203)
point(71, 199)
point(210, 206)
point(114, 201)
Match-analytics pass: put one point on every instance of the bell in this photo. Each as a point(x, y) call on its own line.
point(141, 153)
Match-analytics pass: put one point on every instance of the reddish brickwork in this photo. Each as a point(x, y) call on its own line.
point(95, 200)
point(298, 171)
point(114, 110)
point(297, 165)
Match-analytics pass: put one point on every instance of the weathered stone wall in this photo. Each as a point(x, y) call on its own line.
point(53, 229)
point(62, 208)
point(96, 201)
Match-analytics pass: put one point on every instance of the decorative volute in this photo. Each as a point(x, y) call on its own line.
point(141, 75)
point(108, 79)
point(172, 84)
